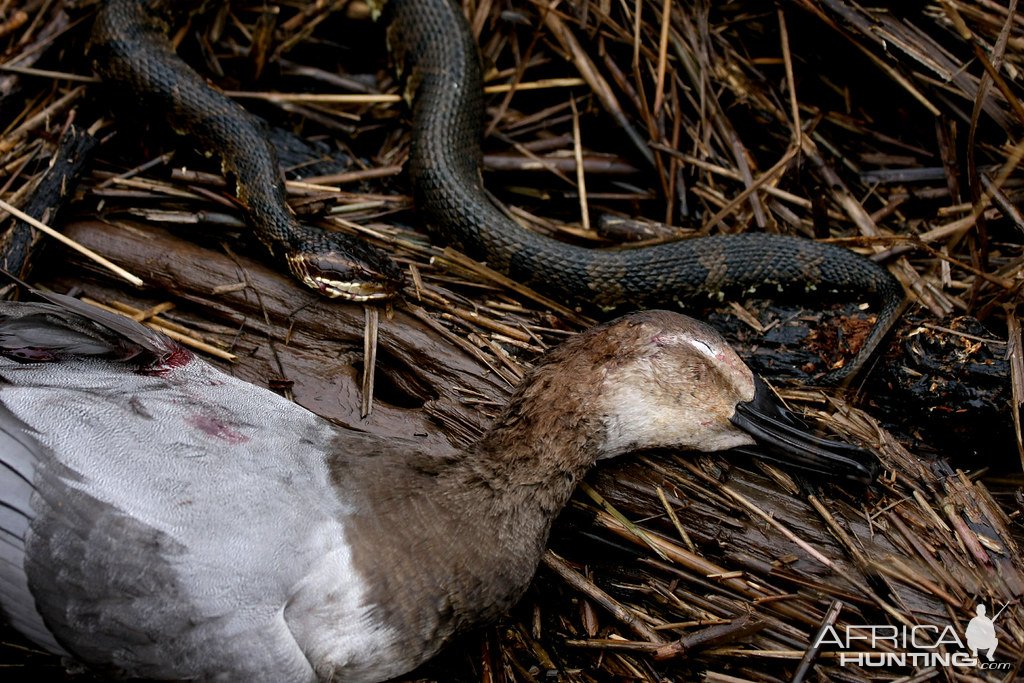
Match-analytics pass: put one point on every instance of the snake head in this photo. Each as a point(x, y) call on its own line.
point(338, 266)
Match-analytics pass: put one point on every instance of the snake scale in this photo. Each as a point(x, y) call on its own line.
point(435, 53)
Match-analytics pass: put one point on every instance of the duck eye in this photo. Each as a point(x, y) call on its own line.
point(703, 347)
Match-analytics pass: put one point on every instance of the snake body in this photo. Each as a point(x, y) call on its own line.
point(444, 84)
point(131, 49)
point(436, 55)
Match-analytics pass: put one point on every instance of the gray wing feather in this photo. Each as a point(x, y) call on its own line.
point(20, 453)
point(69, 327)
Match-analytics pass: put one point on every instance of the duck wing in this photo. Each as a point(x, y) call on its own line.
point(63, 328)
point(66, 327)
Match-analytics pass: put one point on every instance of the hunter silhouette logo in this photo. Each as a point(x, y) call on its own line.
point(981, 633)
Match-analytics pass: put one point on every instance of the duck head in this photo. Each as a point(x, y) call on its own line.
point(665, 380)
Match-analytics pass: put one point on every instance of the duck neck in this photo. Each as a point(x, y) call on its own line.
point(542, 444)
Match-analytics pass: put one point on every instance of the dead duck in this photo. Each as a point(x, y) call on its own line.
point(164, 520)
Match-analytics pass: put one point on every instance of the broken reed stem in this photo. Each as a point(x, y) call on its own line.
point(389, 98)
point(176, 332)
point(372, 317)
point(88, 253)
point(581, 182)
point(588, 588)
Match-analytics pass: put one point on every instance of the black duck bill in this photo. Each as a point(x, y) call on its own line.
point(782, 437)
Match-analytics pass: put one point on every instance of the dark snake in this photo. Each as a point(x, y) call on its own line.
point(131, 48)
point(434, 51)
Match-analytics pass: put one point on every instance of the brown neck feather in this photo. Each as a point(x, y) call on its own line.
point(540, 446)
